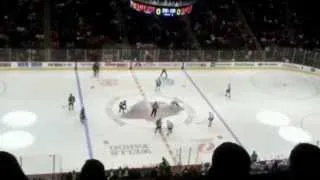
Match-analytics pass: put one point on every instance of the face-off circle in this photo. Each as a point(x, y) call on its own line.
point(285, 86)
point(138, 113)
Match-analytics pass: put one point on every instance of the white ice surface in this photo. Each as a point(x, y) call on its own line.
point(253, 91)
point(57, 131)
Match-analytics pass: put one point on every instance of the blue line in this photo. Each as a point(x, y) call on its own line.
point(86, 127)
point(213, 109)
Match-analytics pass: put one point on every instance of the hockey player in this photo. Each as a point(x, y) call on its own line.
point(158, 84)
point(164, 73)
point(158, 126)
point(82, 115)
point(96, 69)
point(169, 127)
point(155, 107)
point(71, 101)
point(228, 91)
point(210, 119)
point(122, 106)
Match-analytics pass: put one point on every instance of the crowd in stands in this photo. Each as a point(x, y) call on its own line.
point(285, 23)
point(229, 161)
point(86, 24)
point(212, 24)
point(21, 25)
point(216, 25)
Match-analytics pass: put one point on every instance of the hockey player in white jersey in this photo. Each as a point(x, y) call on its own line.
point(164, 74)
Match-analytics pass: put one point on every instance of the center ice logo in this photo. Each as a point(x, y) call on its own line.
point(138, 111)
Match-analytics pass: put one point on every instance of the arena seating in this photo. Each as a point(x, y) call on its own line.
point(215, 24)
point(283, 23)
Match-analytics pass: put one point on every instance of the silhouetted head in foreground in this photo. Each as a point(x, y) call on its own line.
point(229, 160)
point(92, 169)
point(305, 161)
point(10, 168)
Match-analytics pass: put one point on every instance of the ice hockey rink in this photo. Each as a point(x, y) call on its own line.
point(270, 111)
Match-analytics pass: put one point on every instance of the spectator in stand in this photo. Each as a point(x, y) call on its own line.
point(10, 168)
point(254, 157)
point(229, 160)
point(165, 168)
point(92, 170)
point(304, 162)
point(204, 168)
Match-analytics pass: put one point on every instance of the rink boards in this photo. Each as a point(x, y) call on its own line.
point(155, 65)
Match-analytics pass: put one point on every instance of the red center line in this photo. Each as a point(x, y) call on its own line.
point(164, 139)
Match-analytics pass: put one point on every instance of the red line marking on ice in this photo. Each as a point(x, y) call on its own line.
point(164, 139)
point(169, 149)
